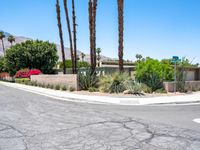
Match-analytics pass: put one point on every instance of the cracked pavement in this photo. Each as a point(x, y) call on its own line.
point(33, 122)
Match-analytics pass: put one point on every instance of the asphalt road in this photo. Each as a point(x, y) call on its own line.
point(33, 122)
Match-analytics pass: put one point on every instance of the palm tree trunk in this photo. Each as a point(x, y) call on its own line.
point(121, 33)
point(94, 33)
point(74, 28)
point(92, 26)
point(70, 35)
point(91, 33)
point(61, 35)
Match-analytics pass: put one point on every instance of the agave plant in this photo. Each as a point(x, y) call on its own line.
point(88, 79)
point(114, 83)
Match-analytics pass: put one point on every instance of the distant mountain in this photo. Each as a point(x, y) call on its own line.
point(20, 39)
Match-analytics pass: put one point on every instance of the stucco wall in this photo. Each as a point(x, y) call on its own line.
point(189, 86)
point(190, 75)
point(68, 79)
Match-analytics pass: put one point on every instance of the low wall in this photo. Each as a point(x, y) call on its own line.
point(189, 86)
point(68, 80)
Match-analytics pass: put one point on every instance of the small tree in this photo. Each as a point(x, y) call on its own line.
point(33, 55)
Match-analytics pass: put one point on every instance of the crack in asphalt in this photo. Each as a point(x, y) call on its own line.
point(45, 124)
point(123, 124)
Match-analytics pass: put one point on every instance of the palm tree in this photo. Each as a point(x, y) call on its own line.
point(92, 26)
point(121, 33)
point(11, 39)
point(94, 31)
point(61, 35)
point(74, 36)
point(98, 51)
point(82, 56)
point(2, 36)
point(70, 35)
point(138, 57)
point(90, 6)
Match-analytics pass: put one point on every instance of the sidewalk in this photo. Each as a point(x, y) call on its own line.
point(63, 95)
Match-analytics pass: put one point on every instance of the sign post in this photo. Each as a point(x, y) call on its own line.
point(175, 59)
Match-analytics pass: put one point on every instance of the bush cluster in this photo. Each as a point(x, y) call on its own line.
point(153, 73)
point(27, 81)
point(31, 54)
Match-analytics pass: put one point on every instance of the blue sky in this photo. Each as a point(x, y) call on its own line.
point(155, 28)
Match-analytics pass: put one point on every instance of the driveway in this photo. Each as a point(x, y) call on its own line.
point(33, 122)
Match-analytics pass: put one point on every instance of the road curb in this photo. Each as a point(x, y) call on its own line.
point(62, 95)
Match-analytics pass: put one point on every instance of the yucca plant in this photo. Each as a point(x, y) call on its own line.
point(88, 80)
point(114, 83)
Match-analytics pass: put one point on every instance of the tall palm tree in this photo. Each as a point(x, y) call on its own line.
point(121, 33)
point(98, 51)
point(82, 56)
point(2, 36)
point(70, 35)
point(61, 35)
point(94, 31)
point(74, 36)
point(92, 26)
point(11, 39)
point(90, 11)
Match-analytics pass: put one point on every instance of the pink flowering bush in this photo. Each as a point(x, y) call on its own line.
point(26, 73)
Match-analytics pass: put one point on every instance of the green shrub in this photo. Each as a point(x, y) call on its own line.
point(22, 80)
point(39, 84)
point(162, 91)
point(71, 89)
point(57, 87)
point(2, 65)
point(64, 88)
point(51, 86)
point(134, 87)
point(146, 89)
point(48, 86)
point(114, 83)
point(43, 85)
point(92, 89)
point(152, 73)
point(31, 54)
point(33, 83)
point(88, 80)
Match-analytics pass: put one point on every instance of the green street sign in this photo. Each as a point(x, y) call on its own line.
point(175, 59)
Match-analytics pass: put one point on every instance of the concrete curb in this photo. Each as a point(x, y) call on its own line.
point(62, 95)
